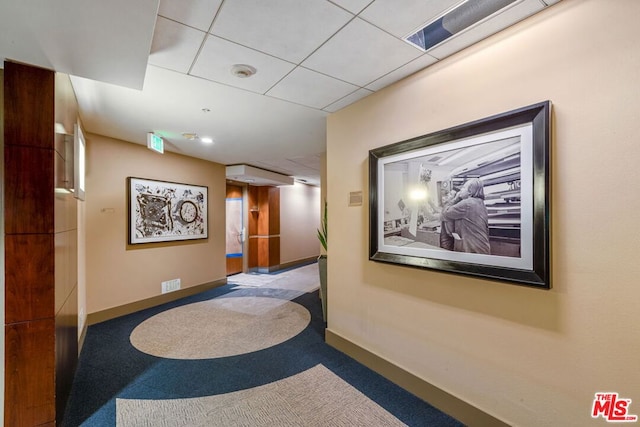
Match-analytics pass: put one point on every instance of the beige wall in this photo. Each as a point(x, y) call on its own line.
point(323, 192)
point(119, 274)
point(299, 220)
point(527, 356)
point(2, 240)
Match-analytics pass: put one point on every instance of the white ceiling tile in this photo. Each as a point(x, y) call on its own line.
point(107, 45)
point(349, 99)
point(402, 72)
point(279, 165)
point(288, 29)
point(307, 164)
point(175, 45)
point(194, 13)
point(296, 167)
point(402, 18)
point(245, 126)
point(289, 166)
point(218, 56)
point(360, 53)
point(312, 89)
point(312, 161)
point(353, 6)
point(79, 37)
point(486, 28)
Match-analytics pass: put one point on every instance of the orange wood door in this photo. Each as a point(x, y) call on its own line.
point(235, 229)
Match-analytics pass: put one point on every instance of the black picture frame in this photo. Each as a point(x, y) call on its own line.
point(162, 211)
point(411, 223)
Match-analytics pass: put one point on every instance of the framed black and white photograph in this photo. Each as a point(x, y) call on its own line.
point(166, 211)
point(472, 199)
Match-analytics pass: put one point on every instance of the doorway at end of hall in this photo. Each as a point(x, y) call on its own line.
point(235, 235)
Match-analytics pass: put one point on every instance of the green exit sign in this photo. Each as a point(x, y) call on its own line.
point(155, 143)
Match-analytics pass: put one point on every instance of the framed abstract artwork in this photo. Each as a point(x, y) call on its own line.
point(472, 199)
point(162, 211)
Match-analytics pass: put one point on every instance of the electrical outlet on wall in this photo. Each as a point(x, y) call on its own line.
point(170, 285)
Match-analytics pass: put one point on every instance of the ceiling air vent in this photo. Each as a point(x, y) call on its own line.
point(455, 20)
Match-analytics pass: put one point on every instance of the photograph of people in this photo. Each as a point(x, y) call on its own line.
point(461, 201)
point(447, 228)
point(470, 219)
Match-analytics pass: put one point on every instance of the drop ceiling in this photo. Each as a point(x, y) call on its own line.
point(165, 66)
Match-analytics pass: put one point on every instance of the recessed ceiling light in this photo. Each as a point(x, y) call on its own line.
point(206, 140)
point(243, 70)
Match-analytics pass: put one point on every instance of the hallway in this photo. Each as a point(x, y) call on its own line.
point(249, 353)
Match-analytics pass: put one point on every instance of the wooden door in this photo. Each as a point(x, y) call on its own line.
point(235, 229)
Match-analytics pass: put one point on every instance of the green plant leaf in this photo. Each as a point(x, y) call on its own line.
point(322, 232)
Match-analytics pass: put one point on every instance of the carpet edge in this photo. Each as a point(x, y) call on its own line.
point(123, 310)
point(438, 398)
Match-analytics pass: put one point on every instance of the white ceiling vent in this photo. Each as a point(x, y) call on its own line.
point(256, 176)
point(470, 21)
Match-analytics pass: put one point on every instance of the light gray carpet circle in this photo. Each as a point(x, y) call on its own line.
point(316, 398)
point(220, 327)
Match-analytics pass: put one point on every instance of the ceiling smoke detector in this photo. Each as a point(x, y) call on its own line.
point(243, 71)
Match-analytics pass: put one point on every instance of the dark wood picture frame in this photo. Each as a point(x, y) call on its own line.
point(509, 154)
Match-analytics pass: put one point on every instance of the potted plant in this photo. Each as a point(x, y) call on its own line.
point(322, 262)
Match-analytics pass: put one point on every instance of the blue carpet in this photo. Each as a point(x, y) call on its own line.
point(109, 367)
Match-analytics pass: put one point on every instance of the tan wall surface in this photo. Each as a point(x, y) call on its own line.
point(119, 274)
point(299, 220)
point(2, 240)
point(530, 357)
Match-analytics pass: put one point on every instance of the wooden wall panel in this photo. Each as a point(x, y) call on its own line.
point(234, 191)
point(28, 181)
point(252, 262)
point(274, 211)
point(274, 251)
point(40, 305)
point(234, 265)
point(28, 106)
point(263, 211)
point(268, 252)
point(29, 373)
point(29, 277)
point(252, 227)
point(264, 228)
point(263, 252)
point(252, 200)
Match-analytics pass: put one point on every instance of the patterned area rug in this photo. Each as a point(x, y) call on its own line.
point(250, 353)
point(220, 327)
point(315, 397)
